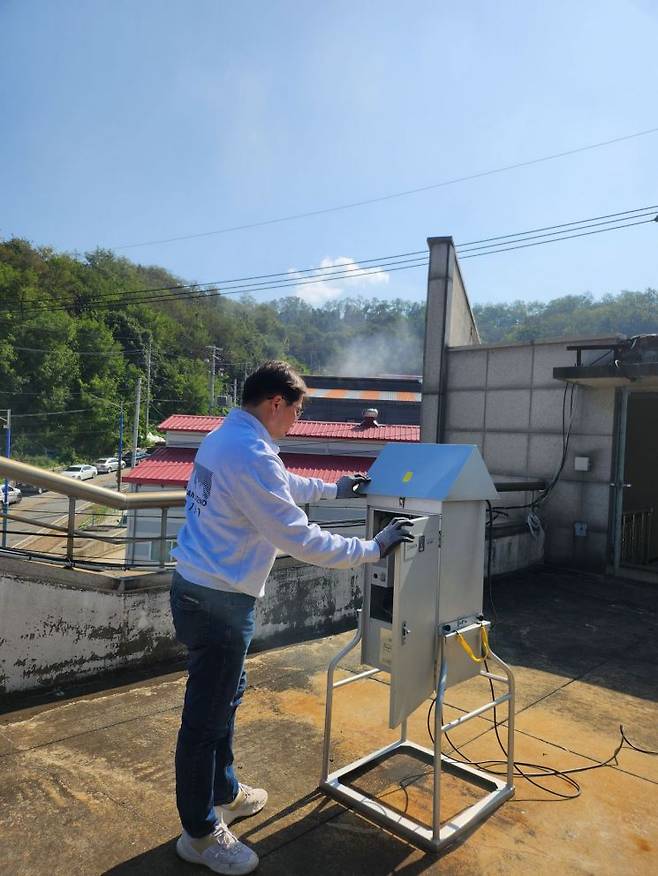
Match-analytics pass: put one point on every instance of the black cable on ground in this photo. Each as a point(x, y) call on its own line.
point(544, 771)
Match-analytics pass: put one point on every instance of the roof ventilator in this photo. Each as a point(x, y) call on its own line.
point(369, 420)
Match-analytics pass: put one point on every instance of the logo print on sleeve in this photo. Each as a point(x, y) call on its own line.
point(198, 492)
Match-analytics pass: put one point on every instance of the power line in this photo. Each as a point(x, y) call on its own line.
point(565, 237)
point(417, 259)
point(587, 223)
point(337, 270)
point(409, 264)
point(106, 354)
point(53, 413)
point(377, 200)
point(379, 260)
point(387, 264)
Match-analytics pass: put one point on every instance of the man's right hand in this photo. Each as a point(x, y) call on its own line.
point(393, 535)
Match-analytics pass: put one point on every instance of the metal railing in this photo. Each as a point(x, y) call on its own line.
point(636, 532)
point(75, 491)
point(68, 540)
point(71, 536)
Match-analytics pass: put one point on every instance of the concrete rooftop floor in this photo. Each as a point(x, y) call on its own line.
point(86, 778)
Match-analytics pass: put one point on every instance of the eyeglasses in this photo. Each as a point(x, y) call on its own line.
point(299, 410)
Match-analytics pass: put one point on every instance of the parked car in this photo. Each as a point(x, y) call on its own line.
point(80, 472)
point(29, 489)
point(11, 495)
point(107, 464)
point(139, 456)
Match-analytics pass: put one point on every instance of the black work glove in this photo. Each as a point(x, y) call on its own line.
point(349, 486)
point(393, 535)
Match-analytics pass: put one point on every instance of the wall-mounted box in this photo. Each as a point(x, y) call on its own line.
point(581, 463)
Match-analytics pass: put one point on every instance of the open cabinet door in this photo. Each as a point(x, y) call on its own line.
point(414, 634)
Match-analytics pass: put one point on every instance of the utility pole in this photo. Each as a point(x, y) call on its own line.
point(5, 503)
point(213, 373)
point(120, 447)
point(138, 399)
point(213, 366)
point(235, 392)
point(148, 388)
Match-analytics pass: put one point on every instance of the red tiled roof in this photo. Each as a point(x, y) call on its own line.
point(353, 431)
point(172, 466)
point(169, 466)
point(327, 468)
point(304, 429)
point(190, 423)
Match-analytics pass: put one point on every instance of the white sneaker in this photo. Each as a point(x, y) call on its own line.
point(248, 801)
point(220, 852)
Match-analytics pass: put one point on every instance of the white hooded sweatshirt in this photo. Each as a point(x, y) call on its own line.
point(241, 506)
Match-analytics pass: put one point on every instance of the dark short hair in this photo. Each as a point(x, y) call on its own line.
point(273, 378)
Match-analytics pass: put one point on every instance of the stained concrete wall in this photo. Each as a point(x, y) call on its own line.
point(59, 625)
point(504, 399)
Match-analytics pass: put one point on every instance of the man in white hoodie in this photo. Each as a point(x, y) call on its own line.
point(242, 505)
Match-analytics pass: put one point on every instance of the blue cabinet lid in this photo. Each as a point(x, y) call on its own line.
point(442, 472)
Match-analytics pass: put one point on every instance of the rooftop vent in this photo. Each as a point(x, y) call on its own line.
point(369, 420)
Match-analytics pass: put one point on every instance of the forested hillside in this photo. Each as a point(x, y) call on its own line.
point(76, 333)
point(628, 313)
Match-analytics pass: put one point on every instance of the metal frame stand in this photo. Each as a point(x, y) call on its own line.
point(438, 836)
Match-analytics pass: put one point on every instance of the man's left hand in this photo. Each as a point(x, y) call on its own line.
point(349, 486)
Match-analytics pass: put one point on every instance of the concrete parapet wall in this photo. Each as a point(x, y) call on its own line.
point(514, 551)
point(58, 625)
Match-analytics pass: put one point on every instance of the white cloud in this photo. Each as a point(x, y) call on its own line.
point(351, 280)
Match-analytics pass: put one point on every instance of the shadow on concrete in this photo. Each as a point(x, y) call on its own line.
point(576, 624)
point(346, 844)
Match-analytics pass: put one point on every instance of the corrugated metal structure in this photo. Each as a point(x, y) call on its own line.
point(396, 397)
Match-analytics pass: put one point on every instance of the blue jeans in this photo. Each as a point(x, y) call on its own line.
point(216, 627)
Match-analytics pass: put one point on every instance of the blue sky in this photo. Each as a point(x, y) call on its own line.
point(125, 122)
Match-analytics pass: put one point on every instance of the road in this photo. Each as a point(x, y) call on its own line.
point(48, 508)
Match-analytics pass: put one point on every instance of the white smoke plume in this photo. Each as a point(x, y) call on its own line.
point(396, 352)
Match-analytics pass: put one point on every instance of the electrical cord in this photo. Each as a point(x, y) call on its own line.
point(534, 522)
point(566, 435)
point(492, 516)
point(543, 771)
point(535, 525)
